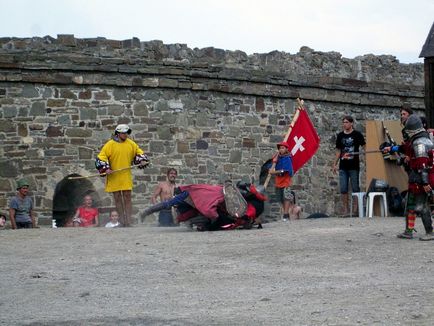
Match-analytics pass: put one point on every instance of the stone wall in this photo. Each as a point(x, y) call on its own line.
point(210, 113)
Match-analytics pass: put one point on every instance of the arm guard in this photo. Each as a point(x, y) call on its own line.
point(101, 166)
point(138, 159)
point(394, 149)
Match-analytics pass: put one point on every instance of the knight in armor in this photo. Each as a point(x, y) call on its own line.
point(209, 207)
point(418, 147)
point(119, 153)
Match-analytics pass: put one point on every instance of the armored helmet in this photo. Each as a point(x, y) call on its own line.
point(413, 123)
point(413, 126)
point(122, 129)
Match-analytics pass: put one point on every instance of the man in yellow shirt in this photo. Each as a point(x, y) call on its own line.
point(117, 154)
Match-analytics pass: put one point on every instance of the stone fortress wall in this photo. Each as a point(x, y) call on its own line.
point(210, 113)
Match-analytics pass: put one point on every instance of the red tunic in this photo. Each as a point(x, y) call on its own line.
point(206, 199)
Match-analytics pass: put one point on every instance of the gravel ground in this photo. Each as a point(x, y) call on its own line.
point(329, 271)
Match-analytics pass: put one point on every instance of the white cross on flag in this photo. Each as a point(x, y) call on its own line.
point(303, 140)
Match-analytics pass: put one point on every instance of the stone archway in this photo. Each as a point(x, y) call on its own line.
point(69, 194)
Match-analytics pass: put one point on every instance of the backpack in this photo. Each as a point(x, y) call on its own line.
point(394, 201)
point(317, 215)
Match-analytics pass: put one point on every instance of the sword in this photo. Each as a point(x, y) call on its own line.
point(104, 174)
point(368, 151)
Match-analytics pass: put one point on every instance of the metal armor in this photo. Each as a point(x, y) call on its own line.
point(421, 160)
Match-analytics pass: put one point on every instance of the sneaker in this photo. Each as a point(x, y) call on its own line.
point(285, 217)
point(427, 237)
point(405, 235)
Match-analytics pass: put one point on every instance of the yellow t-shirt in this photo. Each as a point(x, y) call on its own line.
point(119, 155)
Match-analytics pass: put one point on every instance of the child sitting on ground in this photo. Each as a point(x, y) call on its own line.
point(86, 215)
point(294, 210)
point(2, 221)
point(114, 220)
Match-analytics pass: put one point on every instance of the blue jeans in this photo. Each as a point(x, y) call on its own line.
point(177, 200)
point(165, 218)
point(345, 176)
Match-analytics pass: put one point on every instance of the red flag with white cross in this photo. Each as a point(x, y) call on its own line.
point(303, 140)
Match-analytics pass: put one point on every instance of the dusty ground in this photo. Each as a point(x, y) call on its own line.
point(310, 272)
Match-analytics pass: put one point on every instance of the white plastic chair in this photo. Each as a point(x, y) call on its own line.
point(370, 203)
point(360, 200)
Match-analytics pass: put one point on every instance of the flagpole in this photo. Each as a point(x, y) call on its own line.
point(294, 120)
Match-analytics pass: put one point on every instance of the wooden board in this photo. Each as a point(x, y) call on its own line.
point(376, 166)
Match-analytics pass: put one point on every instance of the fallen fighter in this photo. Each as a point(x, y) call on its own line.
point(215, 207)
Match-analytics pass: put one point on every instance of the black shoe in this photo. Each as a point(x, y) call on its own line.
point(405, 235)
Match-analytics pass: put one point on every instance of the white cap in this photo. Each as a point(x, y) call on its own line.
point(123, 128)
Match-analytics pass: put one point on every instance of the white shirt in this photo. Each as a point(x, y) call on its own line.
point(112, 225)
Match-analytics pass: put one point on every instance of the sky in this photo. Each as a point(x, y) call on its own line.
point(350, 27)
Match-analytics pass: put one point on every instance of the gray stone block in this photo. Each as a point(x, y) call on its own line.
point(9, 111)
point(38, 109)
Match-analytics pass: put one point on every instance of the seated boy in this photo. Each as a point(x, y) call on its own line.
point(114, 220)
point(294, 210)
point(2, 221)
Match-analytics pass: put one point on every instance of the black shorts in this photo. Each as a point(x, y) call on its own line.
point(24, 225)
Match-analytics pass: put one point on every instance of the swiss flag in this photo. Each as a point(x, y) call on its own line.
point(303, 140)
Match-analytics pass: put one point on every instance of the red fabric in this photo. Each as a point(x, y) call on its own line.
point(303, 140)
point(416, 188)
point(182, 217)
point(87, 216)
point(257, 194)
point(251, 211)
point(411, 219)
point(431, 177)
point(282, 143)
point(206, 198)
point(419, 163)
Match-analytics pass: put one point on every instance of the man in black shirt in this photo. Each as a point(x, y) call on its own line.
point(348, 141)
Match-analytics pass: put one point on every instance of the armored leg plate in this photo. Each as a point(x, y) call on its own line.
point(236, 205)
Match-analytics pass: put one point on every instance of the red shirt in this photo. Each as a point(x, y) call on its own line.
point(87, 215)
point(282, 181)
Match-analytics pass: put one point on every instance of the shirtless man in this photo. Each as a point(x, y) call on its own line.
point(294, 210)
point(164, 191)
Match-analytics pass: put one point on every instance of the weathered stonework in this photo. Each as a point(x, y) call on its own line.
point(210, 113)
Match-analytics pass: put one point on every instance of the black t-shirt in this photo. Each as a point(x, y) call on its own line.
point(349, 143)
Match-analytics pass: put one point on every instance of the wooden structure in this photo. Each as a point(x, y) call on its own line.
point(428, 53)
point(376, 166)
